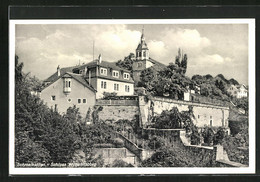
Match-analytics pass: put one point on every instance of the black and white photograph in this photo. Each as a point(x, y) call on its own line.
point(132, 96)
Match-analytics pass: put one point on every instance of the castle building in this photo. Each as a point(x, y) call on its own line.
point(81, 85)
point(143, 60)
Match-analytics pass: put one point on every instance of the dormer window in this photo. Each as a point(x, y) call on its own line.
point(126, 76)
point(115, 74)
point(103, 71)
point(67, 85)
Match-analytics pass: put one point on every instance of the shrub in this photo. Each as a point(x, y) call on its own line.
point(219, 136)
point(118, 142)
point(235, 127)
point(121, 163)
point(156, 142)
point(195, 136)
point(208, 135)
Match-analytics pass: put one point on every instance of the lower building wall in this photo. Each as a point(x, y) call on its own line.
point(110, 88)
point(64, 101)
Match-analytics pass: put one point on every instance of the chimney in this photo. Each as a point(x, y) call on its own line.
point(99, 58)
point(85, 71)
point(58, 70)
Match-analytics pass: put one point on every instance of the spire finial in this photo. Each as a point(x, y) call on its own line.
point(142, 37)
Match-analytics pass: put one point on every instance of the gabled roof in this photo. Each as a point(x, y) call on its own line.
point(157, 63)
point(241, 85)
point(54, 76)
point(77, 77)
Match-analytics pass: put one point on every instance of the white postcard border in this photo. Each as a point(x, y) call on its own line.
point(172, 170)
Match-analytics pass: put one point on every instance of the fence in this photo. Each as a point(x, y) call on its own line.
point(102, 102)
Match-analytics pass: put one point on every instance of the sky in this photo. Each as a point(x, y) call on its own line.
point(211, 48)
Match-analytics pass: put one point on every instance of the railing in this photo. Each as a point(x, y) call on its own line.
point(102, 102)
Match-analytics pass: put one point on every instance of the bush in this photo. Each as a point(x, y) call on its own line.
point(208, 135)
point(232, 144)
point(118, 142)
point(156, 142)
point(121, 163)
point(235, 127)
point(195, 136)
point(219, 136)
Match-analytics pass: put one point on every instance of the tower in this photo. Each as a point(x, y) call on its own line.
point(142, 51)
point(142, 59)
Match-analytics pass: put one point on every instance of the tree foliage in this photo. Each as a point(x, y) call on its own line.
point(42, 135)
point(127, 63)
point(214, 87)
point(178, 156)
point(173, 119)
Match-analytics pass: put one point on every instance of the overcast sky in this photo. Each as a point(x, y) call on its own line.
point(211, 49)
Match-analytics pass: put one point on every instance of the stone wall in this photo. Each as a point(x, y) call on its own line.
point(111, 154)
point(116, 112)
point(205, 114)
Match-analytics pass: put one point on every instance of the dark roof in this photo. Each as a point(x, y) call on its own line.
point(80, 79)
point(105, 64)
point(157, 63)
point(77, 77)
point(54, 77)
point(142, 46)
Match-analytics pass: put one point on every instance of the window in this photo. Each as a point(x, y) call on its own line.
point(144, 54)
point(210, 123)
point(53, 97)
point(140, 54)
point(103, 84)
point(116, 86)
point(116, 74)
point(198, 116)
point(127, 88)
point(126, 76)
point(67, 84)
point(79, 101)
point(140, 65)
point(84, 101)
point(69, 100)
point(103, 71)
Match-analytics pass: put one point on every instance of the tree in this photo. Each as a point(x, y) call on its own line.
point(168, 119)
point(41, 134)
point(181, 62)
point(174, 119)
point(208, 135)
point(127, 63)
